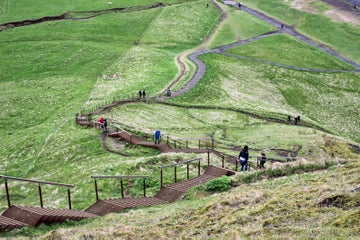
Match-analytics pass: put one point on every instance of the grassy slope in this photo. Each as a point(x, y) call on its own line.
point(58, 141)
point(237, 26)
point(24, 10)
point(316, 26)
point(39, 100)
point(290, 51)
point(270, 209)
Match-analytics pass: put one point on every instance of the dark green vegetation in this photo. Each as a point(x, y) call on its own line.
point(50, 71)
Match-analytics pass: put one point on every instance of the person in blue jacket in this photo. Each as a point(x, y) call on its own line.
point(157, 136)
point(243, 158)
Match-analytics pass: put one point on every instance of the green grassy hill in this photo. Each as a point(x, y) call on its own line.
point(52, 70)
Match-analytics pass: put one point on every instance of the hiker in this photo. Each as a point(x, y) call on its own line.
point(105, 125)
point(140, 94)
point(282, 26)
point(262, 160)
point(298, 118)
point(168, 92)
point(295, 120)
point(243, 158)
point(101, 122)
point(207, 5)
point(289, 118)
point(157, 137)
point(144, 94)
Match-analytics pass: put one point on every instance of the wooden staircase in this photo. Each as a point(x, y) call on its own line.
point(21, 216)
point(167, 194)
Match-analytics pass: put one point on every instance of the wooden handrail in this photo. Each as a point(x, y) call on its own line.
point(180, 163)
point(120, 177)
point(37, 181)
point(176, 164)
point(121, 183)
point(39, 188)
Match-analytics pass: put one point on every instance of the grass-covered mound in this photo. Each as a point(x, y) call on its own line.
point(51, 70)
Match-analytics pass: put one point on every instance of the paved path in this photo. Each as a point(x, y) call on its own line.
point(283, 29)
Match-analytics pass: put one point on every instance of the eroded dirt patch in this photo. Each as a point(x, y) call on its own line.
point(339, 11)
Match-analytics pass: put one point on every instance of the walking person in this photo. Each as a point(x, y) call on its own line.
point(144, 94)
point(157, 137)
point(262, 160)
point(105, 124)
point(101, 122)
point(140, 94)
point(243, 158)
point(168, 92)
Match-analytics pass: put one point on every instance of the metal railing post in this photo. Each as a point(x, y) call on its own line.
point(167, 139)
point(122, 188)
point(236, 165)
point(199, 143)
point(69, 198)
point(96, 191)
point(161, 177)
point(199, 168)
point(187, 144)
point(222, 161)
point(175, 143)
point(144, 187)
point(40, 196)
point(175, 173)
point(187, 170)
point(212, 143)
point(7, 193)
point(208, 153)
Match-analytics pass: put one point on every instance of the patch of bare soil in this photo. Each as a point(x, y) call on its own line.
point(340, 11)
point(115, 144)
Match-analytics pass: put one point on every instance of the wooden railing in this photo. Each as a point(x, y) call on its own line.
point(121, 183)
point(6, 178)
point(175, 169)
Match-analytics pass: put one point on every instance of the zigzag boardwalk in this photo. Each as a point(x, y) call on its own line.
point(167, 194)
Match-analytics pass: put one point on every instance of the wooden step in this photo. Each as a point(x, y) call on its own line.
point(168, 194)
point(7, 224)
point(187, 184)
point(34, 216)
point(102, 207)
point(218, 172)
point(137, 202)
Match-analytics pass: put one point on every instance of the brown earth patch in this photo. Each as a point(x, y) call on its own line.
point(340, 11)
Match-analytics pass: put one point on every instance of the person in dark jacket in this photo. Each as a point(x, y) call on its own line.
point(262, 160)
point(105, 125)
point(243, 158)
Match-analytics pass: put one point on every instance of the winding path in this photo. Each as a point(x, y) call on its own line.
point(201, 66)
point(285, 29)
